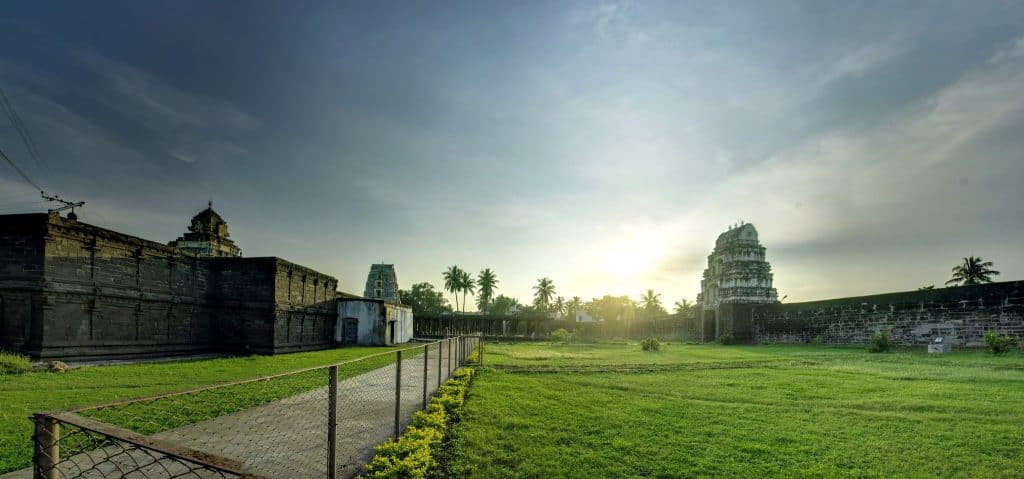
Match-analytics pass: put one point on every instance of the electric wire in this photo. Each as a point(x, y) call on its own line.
point(22, 130)
point(20, 172)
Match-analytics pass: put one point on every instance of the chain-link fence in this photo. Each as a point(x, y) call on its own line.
point(317, 422)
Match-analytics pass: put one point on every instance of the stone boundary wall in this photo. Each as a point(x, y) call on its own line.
point(959, 314)
point(71, 290)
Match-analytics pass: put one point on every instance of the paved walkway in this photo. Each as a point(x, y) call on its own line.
point(288, 438)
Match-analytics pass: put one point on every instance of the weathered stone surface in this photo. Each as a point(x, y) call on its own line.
point(382, 283)
point(737, 272)
point(208, 236)
point(73, 290)
point(961, 315)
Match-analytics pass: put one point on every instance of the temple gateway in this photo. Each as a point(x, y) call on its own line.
point(737, 275)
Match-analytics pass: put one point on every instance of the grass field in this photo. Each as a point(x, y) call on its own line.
point(740, 411)
point(21, 395)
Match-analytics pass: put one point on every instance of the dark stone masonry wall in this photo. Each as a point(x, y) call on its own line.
point(75, 291)
point(959, 314)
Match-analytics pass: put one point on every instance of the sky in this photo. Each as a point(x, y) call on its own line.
point(602, 144)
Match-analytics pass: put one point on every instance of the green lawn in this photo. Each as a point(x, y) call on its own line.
point(740, 411)
point(21, 395)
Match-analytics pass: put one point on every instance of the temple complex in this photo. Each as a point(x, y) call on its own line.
point(71, 290)
point(737, 272)
point(207, 236)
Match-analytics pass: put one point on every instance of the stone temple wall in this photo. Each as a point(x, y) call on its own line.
point(75, 291)
point(100, 293)
point(21, 279)
point(960, 314)
point(305, 308)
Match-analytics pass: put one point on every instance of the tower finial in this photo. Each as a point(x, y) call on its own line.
point(209, 204)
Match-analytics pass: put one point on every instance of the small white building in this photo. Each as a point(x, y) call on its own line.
point(372, 322)
point(583, 316)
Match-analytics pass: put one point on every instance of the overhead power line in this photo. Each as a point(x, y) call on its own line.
point(20, 172)
point(22, 130)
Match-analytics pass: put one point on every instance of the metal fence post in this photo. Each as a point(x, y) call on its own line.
point(426, 356)
point(47, 448)
point(440, 346)
point(398, 393)
point(481, 350)
point(449, 357)
point(332, 420)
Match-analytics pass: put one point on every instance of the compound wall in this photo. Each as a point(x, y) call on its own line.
point(959, 314)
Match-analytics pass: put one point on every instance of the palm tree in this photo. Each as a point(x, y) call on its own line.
point(682, 306)
point(650, 302)
point(543, 292)
point(466, 285)
point(487, 281)
point(559, 306)
point(973, 270)
point(453, 282)
point(574, 304)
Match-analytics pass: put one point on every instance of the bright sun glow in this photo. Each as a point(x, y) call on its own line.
point(637, 253)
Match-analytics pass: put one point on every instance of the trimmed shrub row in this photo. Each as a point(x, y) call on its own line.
point(474, 357)
point(414, 454)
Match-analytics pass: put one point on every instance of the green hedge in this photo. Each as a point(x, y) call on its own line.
point(414, 454)
point(474, 357)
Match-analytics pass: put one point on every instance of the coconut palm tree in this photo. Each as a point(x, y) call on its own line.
point(453, 282)
point(559, 306)
point(466, 285)
point(543, 292)
point(487, 281)
point(650, 299)
point(650, 302)
point(573, 305)
point(973, 270)
point(682, 306)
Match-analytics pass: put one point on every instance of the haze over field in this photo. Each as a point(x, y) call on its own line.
point(602, 144)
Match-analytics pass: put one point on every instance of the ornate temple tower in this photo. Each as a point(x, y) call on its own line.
point(737, 272)
point(382, 283)
point(207, 236)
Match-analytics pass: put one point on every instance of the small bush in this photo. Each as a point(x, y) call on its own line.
point(999, 344)
point(560, 335)
point(880, 342)
point(727, 339)
point(414, 454)
point(650, 344)
point(13, 363)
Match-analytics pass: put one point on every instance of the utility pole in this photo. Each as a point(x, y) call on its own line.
point(66, 205)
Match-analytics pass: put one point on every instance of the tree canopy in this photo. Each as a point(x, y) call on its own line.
point(543, 292)
point(424, 299)
point(973, 270)
point(486, 283)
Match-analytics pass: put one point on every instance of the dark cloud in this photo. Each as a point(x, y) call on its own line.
point(518, 136)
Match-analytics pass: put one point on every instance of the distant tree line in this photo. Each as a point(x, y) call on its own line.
point(503, 314)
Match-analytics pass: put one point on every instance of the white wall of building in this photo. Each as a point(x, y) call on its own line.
point(376, 320)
